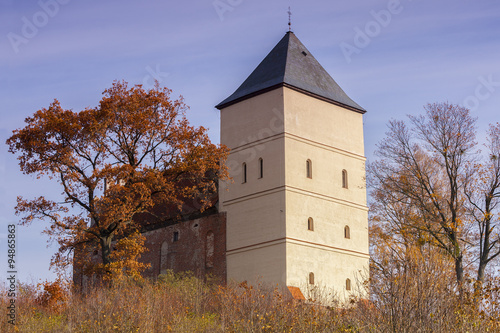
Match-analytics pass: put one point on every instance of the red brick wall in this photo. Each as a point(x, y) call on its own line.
point(191, 251)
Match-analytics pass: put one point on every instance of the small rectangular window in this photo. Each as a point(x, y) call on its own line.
point(310, 224)
point(176, 236)
point(244, 169)
point(347, 232)
point(344, 179)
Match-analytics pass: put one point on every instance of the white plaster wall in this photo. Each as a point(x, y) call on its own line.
point(330, 268)
point(329, 218)
point(322, 122)
point(272, 153)
point(253, 129)
point(255, 220)
point(264, 264)
point(253, 119)
point(332, 138)
point(267, 232)
point(327, 166)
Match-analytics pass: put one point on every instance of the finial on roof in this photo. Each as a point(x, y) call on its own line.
point(289, 19)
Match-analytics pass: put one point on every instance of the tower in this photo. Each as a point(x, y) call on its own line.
point(296, 209)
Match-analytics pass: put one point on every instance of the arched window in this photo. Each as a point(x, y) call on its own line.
point(309, 169)
point(347, 232)
point(209, 250)
point(244, 169)
point(310, 224)
point(344, 179)
point(261, 168)
point(164, 258)
point(348, 284)
point(311, 278)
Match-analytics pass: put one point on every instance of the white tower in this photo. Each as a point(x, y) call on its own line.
point(296, 209)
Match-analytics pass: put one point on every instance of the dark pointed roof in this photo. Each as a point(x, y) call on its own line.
point(290, 64)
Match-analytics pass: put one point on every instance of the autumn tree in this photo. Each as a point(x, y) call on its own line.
point(429, 187)
point(410, 286)
point(482, 190)
point(133, 152)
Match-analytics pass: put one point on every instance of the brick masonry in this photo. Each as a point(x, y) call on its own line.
point(196, 245)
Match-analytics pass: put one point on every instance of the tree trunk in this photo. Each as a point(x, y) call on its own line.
point(478, 286)
point(480, 271)
point(105, 249)
point(459, 270)
point(484, 252)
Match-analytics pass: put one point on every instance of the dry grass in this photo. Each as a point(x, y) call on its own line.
point(183, 303)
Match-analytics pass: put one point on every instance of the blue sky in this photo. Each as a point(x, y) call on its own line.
point(391, 57)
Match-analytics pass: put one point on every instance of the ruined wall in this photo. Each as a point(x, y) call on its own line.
point(197, 245)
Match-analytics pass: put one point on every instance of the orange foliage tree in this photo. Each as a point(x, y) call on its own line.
point(54, 295)
point(133, 152)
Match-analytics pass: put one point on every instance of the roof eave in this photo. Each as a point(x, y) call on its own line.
point(283, 84)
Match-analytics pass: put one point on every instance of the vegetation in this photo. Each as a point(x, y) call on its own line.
point(134, 151)
point(431, 187)
point(434, 223)
point(183, 303)
point(434, 219)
